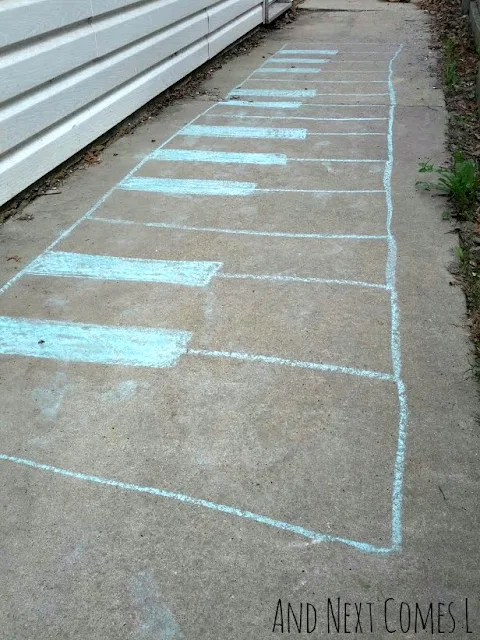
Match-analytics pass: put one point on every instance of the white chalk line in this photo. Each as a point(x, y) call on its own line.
point(286, 362)
point(391, 275)
point(348, 133)
point(320, 191)
point(338, 160)
point(199, 502)
point(300, 280)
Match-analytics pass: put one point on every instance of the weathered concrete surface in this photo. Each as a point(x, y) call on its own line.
point(312, 448)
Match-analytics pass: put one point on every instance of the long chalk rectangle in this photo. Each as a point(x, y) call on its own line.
point(302, 60)
point(287, 70)
point(275, 93)
point(95, 267)
point(261, 105)
point(97, 344)
point(243, 132)
point(188, 187)
point(321, 52)
point(223, 157)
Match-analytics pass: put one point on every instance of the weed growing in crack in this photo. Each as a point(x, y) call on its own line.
point(450, 75)
point(460, 182)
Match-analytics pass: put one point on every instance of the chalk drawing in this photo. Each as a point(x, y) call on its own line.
point(347, 160)
point(286, 362)
point(76, 342)
point(362, 106)
point(301, 60)
point(288, 70)
point(216, 187)
point(339, 93)
point(188, 187)
point(348, 133)
point(322, 52)
point(195, 274)
point(136, 346)
point(260, 105)
point(320, 191)
point(322, 81)
point(361, 73)
point(391, 275)
point(185, 155)
point(275, 93)
point(244, 132)
point(95, 267)
point(280, 278)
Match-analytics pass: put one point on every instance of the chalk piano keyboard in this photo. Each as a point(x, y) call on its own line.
point(305, 97)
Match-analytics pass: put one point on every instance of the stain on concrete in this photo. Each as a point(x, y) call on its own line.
point(153, 618)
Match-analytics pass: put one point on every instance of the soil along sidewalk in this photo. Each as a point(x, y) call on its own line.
point(238, 375)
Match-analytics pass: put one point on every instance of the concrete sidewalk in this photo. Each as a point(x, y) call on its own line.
point(234, 369)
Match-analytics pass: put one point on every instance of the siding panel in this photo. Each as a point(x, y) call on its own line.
point(38, 111)
point(25, 69)
point(24, 19)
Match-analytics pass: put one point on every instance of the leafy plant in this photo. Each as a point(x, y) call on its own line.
point(426, 167)
point(460, 182)
point(462, 255)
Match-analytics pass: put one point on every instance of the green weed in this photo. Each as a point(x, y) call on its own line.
point(462, 255)
point(460, 182)
point(450, 74)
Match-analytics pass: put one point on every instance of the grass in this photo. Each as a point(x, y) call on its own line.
point(460, 182)
point(467, 270)
point(450, 74)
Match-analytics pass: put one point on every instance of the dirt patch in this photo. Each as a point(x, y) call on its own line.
point(188, 87)
point(458, 67)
